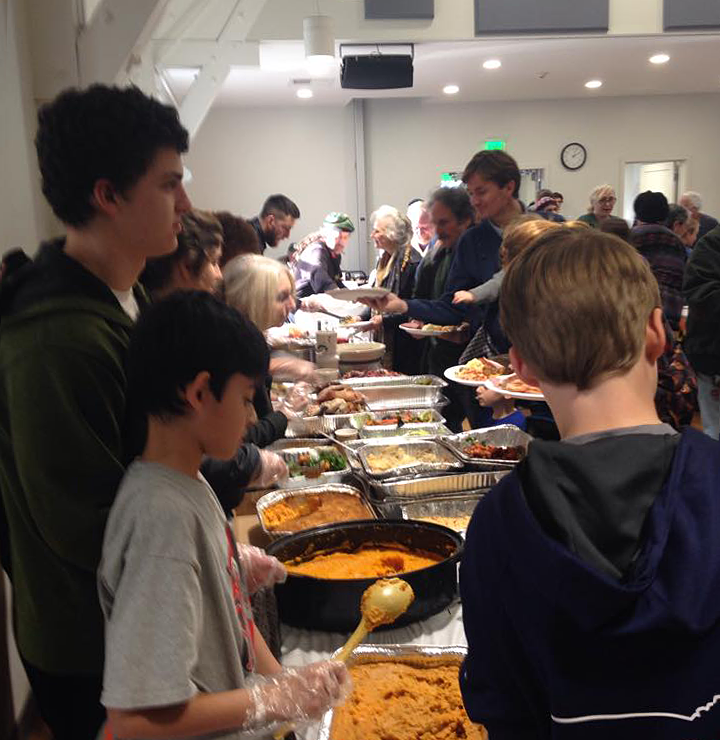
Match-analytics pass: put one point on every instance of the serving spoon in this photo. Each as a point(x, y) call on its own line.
point(382, 603)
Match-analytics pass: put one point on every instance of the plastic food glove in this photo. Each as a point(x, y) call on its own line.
point(291, 368)
point(297, 398)
point(272, 470)
point(261, 570)
point(297, 695)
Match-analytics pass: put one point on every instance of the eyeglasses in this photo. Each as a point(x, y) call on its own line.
point(609, 199)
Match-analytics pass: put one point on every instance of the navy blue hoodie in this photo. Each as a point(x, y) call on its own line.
point(591, 593)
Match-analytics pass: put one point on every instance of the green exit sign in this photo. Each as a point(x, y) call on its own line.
point(495, 144)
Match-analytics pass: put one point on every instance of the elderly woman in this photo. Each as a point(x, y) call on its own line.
point(395, 270)
point(602, 202)
point(263, 290)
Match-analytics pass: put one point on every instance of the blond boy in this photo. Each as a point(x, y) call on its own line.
point(591, 576)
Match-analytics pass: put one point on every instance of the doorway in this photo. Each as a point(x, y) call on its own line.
point(666, 177)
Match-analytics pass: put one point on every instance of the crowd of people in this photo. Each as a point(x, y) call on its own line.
point(135, 410)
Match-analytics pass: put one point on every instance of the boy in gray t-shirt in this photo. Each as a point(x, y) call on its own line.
point(183, 657)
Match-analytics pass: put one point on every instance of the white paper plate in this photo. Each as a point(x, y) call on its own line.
point(422, 333)
point(357, 326)
point(452, 374)
point(354, 294)
point(490, 384)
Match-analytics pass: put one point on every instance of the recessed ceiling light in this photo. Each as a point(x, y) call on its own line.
point(592, 84)
point(492, 64)
point(659, 59)
point(451, 89)
point(304, 92)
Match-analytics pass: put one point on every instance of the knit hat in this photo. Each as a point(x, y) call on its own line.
point(340, 221)
point(652, 208)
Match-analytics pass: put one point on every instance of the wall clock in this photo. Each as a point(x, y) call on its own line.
point(573, 156)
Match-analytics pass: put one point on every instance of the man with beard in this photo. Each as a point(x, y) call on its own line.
point(276, 219)
point(452, 214)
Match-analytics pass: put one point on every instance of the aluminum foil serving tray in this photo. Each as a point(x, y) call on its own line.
point(274, 497)
point(438, 485)
point(461, 505)
point(505, 435)
point(408, 395)
point(309, 426)
point(428, 654)
point(446, 460)
point(392, 380)
point(301, 481)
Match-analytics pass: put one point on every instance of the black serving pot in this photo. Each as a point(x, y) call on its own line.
point(333, 605)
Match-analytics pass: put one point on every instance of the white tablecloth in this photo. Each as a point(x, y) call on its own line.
point(305, 646)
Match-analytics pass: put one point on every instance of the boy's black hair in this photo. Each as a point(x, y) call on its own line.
point(279, 205)
point(100, 133)
point(181, 336)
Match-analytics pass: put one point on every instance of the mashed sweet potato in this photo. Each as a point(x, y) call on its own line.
point(312, 510)
point(372, 561)
point(412, 700)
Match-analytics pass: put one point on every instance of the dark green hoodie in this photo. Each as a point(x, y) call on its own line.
point(63, 345)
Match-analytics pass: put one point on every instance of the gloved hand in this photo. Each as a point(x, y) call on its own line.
point(296, 400)
point(297, 695)
point(261, 570)
point(272, 470)
point(291, 368)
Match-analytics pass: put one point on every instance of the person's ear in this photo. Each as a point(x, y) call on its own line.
point(196, 390)
point(184, 277)
point(105, 196)
point(509, 188)
point(655, 337)
point(522, 368)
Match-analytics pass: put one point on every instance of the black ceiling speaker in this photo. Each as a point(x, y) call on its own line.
point(377, 71)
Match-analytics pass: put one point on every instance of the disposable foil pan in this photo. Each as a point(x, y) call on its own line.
point(505, 435)
point(455, 506)
point(362, 383)
point(274, 497)
point(360, 421)
point(393, 380)
point(438, 485)
point(411, 431)
point(309, 426)
point(405, 396)
point(446, 458)
point(428, 654)
point(292, 443)
point(332, 476)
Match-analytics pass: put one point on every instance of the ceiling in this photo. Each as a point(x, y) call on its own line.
point(192, 32)
point(531, 69)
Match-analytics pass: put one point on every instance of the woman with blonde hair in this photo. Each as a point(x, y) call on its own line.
point(602, 202)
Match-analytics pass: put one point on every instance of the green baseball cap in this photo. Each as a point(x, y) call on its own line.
point(340, 221)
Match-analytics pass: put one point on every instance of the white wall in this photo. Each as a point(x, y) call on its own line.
point(24, 218)
point(411, 142)
point(240, 156)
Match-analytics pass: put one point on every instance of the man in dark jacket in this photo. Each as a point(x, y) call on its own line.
point(701, 287)
point(317, 258)
point(275, 221)
point(662, 248)
point(111, 170)
point(590, 579)
point(452, 214)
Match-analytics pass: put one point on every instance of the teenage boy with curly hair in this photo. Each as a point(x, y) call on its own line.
point(111, 170)
point(591, 575)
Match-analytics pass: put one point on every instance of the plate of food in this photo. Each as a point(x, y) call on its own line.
point(355, 323)
point(428, 330)
point(356, 294)
point(514, 387)
point(474, 373)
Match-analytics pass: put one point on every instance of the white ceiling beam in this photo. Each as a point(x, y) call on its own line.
point(204, 90)
point(115, 38)
point(195, 53)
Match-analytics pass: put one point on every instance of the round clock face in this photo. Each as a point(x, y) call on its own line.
point(573, 156)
